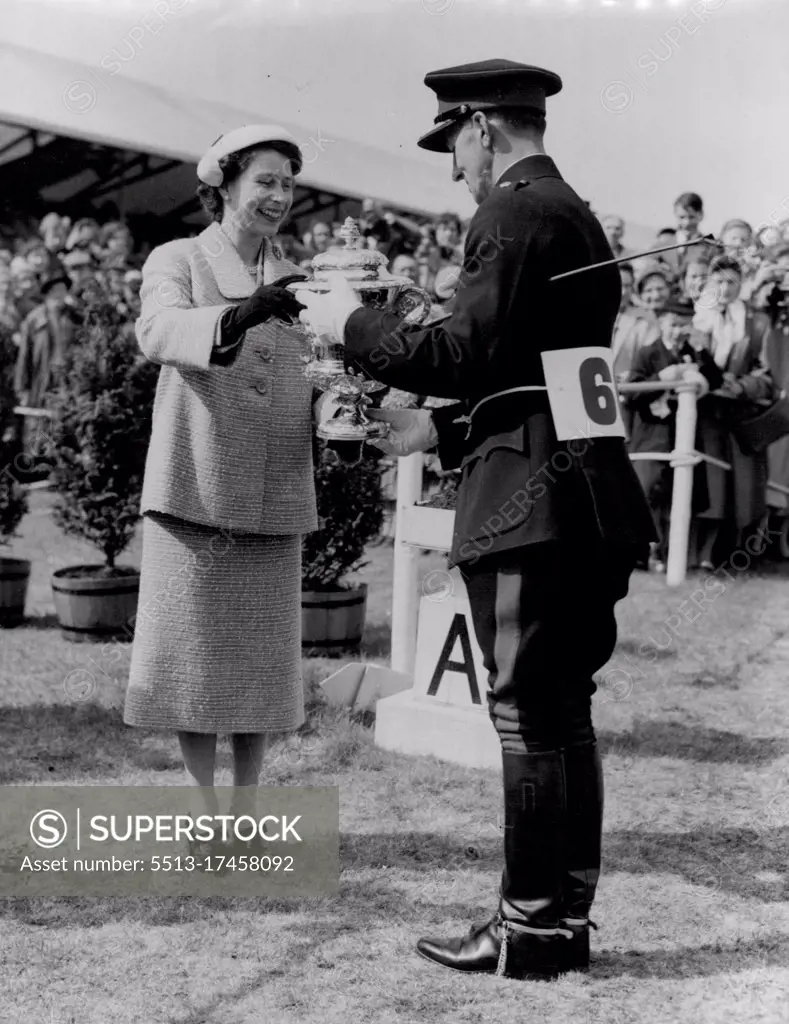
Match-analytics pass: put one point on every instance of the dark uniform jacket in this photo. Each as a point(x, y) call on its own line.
point(519, 486)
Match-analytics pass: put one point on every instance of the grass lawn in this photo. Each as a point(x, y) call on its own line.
point(693, 909)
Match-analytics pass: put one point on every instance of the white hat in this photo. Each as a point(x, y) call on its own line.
point(209, 171)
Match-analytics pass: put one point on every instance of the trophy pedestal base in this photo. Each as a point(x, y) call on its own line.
point(410, 724)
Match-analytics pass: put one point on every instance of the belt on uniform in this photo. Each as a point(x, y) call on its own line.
point(489, 398)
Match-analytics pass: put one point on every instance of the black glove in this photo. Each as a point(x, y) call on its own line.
point(268, 300)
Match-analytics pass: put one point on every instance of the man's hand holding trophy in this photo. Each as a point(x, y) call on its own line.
point(327, 312)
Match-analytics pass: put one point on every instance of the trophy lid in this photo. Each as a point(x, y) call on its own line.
point(351, 260)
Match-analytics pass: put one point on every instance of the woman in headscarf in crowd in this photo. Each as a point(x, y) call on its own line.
point(654, 284)
point(228, 488)
point(637, 324)
point(730, 342)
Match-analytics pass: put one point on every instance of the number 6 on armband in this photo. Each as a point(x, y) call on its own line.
point(582, 393)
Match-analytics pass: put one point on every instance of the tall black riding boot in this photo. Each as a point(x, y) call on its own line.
point(584, 784)
point(524, 939)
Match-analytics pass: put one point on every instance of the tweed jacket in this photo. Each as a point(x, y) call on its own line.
point(231, 446)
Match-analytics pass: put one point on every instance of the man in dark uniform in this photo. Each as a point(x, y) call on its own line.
point(547, 532)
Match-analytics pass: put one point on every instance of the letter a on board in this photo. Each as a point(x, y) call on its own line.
point(458, 629)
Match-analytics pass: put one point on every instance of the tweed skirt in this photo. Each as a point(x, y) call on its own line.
point(217, 642)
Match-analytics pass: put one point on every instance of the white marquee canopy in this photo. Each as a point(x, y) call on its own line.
point(66, 97)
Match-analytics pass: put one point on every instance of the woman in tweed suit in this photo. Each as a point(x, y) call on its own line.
point(228, 488)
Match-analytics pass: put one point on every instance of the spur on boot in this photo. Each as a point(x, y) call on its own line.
point(503, 948)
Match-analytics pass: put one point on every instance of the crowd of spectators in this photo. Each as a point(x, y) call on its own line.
point(49, 279)
point(51, 272)
point(720, 307)
point(430, 253)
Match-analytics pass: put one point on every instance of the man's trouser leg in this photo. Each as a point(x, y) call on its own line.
point(544, 619)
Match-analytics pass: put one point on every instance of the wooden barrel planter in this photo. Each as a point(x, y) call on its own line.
point(14, 578)
point(332, 621)
point(96, 603)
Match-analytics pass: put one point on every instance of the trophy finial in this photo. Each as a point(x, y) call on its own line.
point(349, 233)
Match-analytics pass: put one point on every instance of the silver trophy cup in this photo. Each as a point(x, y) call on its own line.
point(365, 270)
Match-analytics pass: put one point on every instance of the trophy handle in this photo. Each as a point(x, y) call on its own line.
point(411, 303)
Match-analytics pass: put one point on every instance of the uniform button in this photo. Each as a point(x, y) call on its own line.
point(261, 387)
point(265, 354)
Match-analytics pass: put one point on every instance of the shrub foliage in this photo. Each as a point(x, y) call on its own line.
point(350, 512)
point(100, 431)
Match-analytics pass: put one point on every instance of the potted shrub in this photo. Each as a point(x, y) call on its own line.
point(100, 429)
point(350, 512)
point(14, 572)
